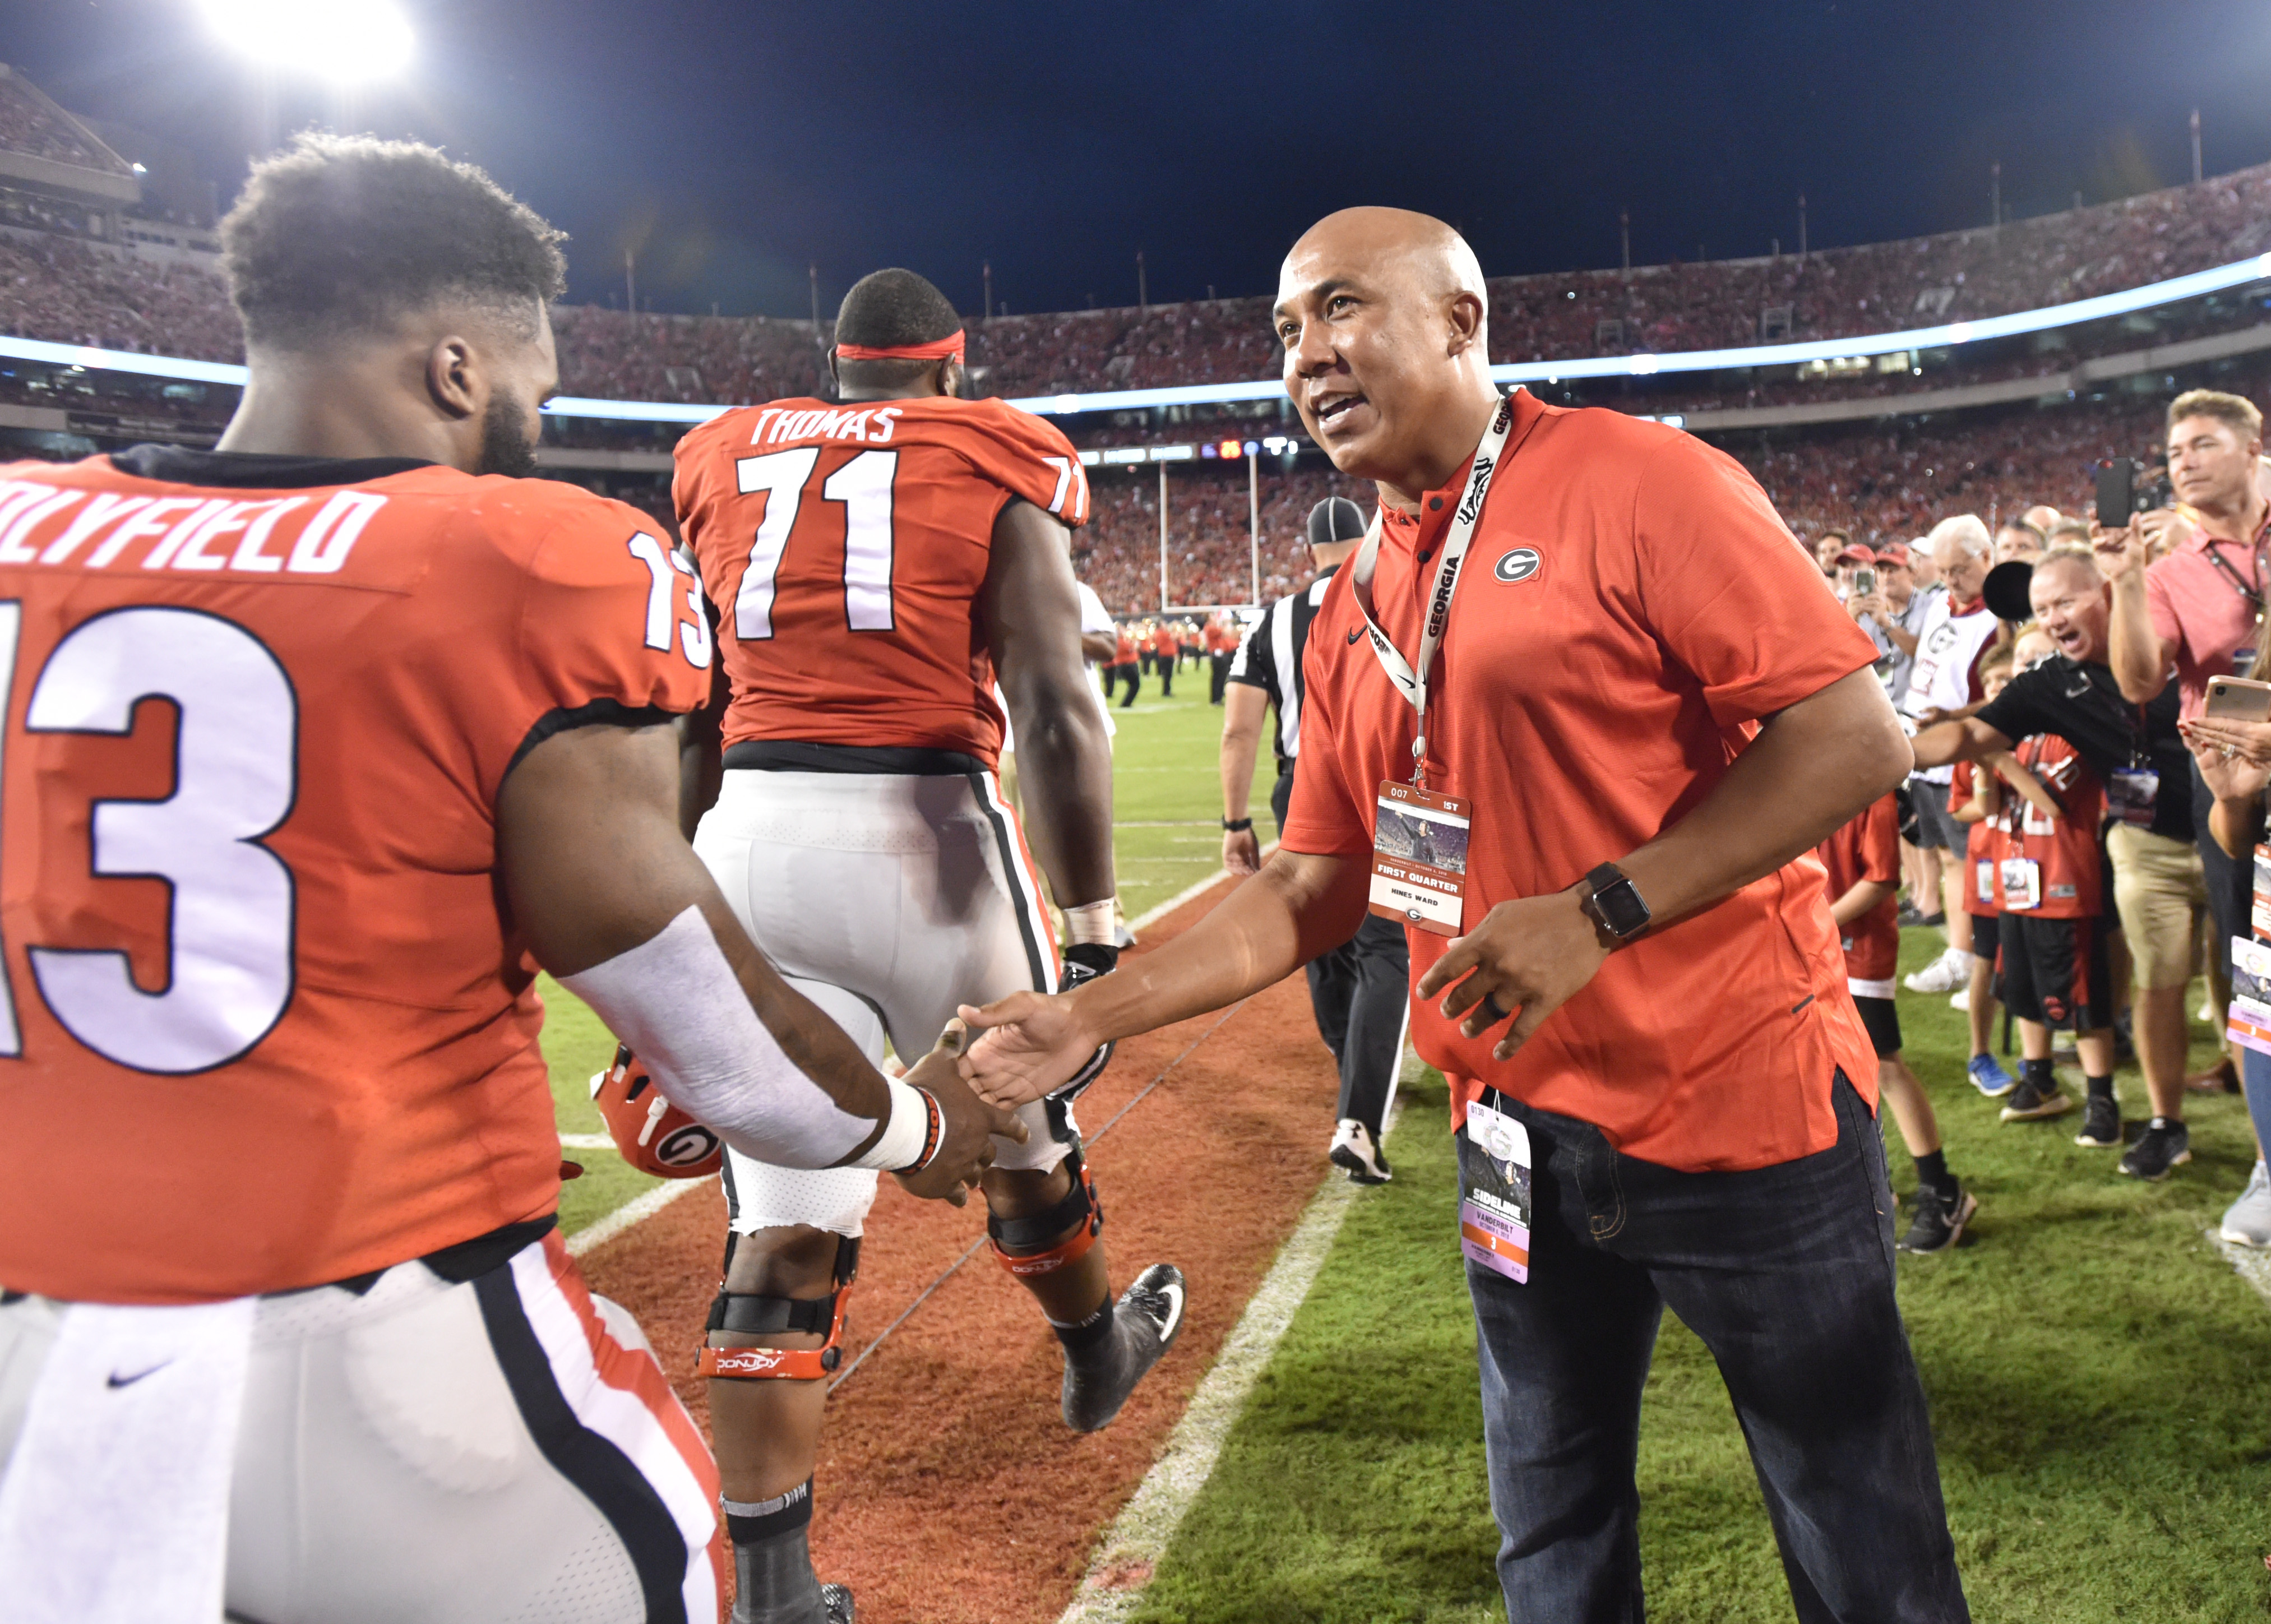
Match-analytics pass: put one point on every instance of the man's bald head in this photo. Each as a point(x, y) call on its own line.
point(1384, 316)
point(1420, 245)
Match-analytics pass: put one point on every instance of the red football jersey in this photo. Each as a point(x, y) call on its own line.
point(2072, 871)
point(1868, 848)
point(846, 547)
point(262, 1025)
point(1982, 847)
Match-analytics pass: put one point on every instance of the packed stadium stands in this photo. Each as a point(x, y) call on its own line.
point(33, 125)
point(1884, 479)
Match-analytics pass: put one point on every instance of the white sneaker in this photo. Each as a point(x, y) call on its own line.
point(1945, 974)
point(1354, 1153)
point(2247, 1221)
point(1961, 1002)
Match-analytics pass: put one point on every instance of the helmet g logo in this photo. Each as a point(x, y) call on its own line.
point(685, 1146)
point(1517, 566)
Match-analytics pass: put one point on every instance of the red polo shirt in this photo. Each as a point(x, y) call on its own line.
point(1584, 704)
point(2200, 612)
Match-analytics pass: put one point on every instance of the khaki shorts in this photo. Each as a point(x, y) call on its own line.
point(2161, 893)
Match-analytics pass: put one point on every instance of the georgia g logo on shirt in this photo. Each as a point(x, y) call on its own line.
point(1517, 565)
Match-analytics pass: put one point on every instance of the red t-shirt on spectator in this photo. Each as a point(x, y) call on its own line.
point(1983, 848)
point(2072, 870)
point(1585, 701)
point(1868, 848)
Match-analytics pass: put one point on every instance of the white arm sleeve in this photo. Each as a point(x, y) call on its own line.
point(675, 1001)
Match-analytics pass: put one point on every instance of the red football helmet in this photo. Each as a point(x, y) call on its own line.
point(654, 1135)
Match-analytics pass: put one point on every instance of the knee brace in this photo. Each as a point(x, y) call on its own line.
point(1031, 1245)
point(753, 1313)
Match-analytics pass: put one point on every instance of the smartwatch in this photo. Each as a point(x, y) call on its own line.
point(1616, 902)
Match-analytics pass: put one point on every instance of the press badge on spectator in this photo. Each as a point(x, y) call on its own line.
point(2250, 996)
point(2130, 792)
point(2022, 884)
point(2260, 910)
point(1495, 1191)
point(1419, 858)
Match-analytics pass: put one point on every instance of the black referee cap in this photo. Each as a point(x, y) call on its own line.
point(1336, 519)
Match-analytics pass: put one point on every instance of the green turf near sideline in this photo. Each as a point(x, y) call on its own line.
point(1167, 801)
point(2097, 1373)
point(1166, 789)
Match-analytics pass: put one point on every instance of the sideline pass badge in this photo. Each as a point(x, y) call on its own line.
point(1419, 858)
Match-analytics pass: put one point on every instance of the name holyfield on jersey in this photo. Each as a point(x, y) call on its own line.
point(92, 529)
point(869, 425)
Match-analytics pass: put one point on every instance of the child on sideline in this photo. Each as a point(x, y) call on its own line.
point(2056, 970)
point(1864, 860)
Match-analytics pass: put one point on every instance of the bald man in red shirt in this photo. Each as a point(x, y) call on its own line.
point(1580, 716)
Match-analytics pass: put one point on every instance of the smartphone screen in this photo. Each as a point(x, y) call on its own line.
point(2117, 492)
point(1864, 582)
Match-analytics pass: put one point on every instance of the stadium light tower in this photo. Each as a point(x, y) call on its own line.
point(342, 41)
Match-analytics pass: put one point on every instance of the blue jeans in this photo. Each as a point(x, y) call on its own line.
point(1786, 1275)
point(2255, 1079)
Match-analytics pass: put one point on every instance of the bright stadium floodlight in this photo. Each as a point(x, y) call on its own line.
point(341, 40)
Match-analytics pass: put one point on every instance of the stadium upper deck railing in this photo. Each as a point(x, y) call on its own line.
point(1946, 335)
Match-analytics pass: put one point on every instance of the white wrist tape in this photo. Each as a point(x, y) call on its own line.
point(901, 1144)
point(678, 1003)
point(1091, 922)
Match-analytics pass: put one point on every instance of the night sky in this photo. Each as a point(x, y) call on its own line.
point(731, 143)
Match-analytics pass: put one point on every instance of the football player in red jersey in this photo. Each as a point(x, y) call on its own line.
point(307, 1344)
point(878, 563)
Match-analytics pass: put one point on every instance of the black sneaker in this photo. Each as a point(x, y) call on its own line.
point(1907, 916)
point(1938, 1219)
point(2030, 1104)
point(1354, 1153)
point(2101, 1124)
point(1144, 1325)
point(2162, 1146)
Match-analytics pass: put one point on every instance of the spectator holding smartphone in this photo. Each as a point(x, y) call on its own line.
point(1892, 612)
point(1957, 631)
point(2234, 759)
point(2197, 612)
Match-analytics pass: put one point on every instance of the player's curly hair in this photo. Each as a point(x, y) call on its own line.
point(886, 309)
point(343, 235)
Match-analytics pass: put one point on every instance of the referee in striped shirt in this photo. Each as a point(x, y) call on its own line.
point(1360, 990)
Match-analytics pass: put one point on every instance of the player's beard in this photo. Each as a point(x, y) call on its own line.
point(507, 447)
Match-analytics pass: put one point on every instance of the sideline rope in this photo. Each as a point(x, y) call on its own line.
point(948, 1272)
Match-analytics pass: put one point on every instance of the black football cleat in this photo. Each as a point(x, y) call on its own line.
point(1144, 1325)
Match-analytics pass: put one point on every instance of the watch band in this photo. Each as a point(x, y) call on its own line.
point(1616, 902)
point(1236, 825)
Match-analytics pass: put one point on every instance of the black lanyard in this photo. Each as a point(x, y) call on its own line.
point(2253, 595)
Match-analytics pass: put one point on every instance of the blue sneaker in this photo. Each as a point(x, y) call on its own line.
point(1989, 1077)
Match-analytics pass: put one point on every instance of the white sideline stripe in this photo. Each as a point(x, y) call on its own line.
point(587, 1142)
point(1154, 914)
point(635, 1211)
point(2254, 1267)
point(1146, 1525)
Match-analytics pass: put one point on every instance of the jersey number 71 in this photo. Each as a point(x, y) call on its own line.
point(863, 485)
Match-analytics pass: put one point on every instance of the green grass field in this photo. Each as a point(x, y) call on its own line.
point(2096, 1373)
point(1168, 807)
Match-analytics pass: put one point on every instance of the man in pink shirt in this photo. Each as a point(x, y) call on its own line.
point(2196, 612)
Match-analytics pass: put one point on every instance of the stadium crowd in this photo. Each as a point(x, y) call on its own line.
point(31, 125)
point(614, 353)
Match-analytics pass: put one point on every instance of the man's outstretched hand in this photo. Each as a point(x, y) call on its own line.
point(1526, 959)
point(1027, 1045)
point(969, 1124)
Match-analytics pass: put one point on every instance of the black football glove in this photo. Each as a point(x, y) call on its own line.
point(1084, 962)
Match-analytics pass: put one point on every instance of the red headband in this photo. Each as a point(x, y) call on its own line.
point(941, 349)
